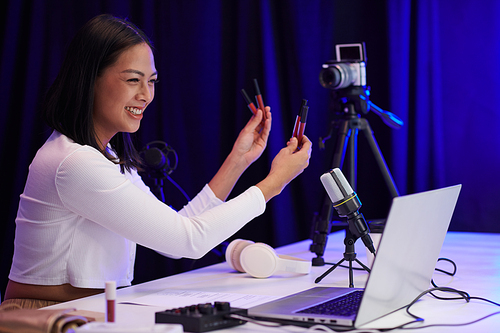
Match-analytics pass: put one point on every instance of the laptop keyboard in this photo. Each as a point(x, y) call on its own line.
point(346, 305)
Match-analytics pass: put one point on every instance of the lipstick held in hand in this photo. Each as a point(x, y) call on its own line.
point(302, 125)
point(299, 120)
point(110, 293)
point(250, 104)
point(259, 99)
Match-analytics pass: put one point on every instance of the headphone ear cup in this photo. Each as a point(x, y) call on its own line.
point(233, 253)
point(259, 260)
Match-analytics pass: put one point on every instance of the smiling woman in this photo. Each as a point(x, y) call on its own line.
point(84, 207)
point(122, 93)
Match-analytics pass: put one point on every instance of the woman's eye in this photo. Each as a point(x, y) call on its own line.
point(133, 80)
point(154, 81)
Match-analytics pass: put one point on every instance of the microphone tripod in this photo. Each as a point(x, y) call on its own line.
point(352, 102)
point(349, 255)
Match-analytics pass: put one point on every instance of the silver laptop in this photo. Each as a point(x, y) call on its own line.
point(406, 257)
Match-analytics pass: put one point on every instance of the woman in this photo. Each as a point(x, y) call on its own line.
point(84, 207)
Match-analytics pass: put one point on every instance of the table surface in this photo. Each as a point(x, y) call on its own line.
point(476, 255)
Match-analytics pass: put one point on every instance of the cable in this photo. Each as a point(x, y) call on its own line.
point(454, 325)
point(463, 295)
point(323, 328)
point(443, 271)
point(255, 321)
point(179, 188)
point(446, 272)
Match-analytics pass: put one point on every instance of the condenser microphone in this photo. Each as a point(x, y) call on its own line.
point(159, 159)
point(155, 159)
point(347, 204)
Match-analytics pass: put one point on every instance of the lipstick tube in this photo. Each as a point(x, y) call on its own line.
point(258, 97)
point(298, 119)
point(110, 293)
point(303, 121)
point(250, 104)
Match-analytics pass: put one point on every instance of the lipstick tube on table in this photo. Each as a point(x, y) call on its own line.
point(110, 293)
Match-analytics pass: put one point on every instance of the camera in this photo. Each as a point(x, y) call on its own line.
point(348, 70)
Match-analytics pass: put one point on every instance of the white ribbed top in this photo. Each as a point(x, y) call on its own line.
point(79, 219)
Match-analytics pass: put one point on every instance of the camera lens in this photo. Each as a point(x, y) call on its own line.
point(337, 76)
point(329, 77)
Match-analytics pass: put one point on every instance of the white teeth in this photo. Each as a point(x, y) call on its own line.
point(133, 110)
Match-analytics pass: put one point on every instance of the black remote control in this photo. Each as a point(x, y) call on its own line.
point(202, 317)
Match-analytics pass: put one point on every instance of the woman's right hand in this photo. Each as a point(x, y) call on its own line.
point(288, 164)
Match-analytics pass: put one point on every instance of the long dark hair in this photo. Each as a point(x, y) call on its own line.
point(69, 102)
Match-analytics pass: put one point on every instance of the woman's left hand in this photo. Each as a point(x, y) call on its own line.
point(248, 147)
point(252, 139)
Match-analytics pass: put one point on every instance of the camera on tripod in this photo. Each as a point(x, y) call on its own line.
point(350, 98)
point(348, 70)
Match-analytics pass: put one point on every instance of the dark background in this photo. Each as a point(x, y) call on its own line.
point(433, 64)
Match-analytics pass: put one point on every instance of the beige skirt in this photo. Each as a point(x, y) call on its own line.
point(25, 303)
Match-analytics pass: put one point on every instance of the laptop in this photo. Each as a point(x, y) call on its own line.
point(406, 257)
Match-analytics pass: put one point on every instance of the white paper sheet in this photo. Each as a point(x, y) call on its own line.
point(174, 298)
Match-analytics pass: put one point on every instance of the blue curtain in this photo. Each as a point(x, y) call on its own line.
point(432, 63)
point(444, 69)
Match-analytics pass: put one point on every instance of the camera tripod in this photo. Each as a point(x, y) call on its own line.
point(352, 102)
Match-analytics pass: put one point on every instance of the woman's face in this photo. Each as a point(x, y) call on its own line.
point(123, 91)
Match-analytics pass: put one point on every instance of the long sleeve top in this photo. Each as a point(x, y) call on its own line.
point(80, 218)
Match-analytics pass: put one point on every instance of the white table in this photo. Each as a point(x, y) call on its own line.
point(476, 255)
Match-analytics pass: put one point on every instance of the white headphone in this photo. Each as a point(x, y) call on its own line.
point(261, 261)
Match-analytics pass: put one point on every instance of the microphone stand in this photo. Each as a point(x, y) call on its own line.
point(357, 227)
point(158, 189)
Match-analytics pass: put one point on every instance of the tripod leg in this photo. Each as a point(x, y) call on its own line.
point(352, 128)
point(341, 144)
point(322, 222)
point(328, 271)
point(379, 158)
point(351, 275)
point(353, 153)
point(363, 265)
point(320, 236)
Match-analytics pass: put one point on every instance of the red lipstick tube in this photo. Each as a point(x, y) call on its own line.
point(110, 293)
point(258, 96)
point(298, 119)
point(250, 104)
point(302, 126)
